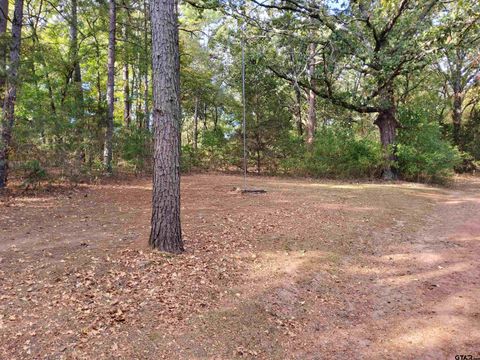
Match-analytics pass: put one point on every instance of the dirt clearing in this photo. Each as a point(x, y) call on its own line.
point(309, 270)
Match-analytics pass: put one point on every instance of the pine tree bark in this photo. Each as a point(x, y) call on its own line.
point(166, 232)
point(107, 151)
point(312, 115)
point(8, 117)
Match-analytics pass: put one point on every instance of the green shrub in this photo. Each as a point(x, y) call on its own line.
point(338, 153)
point(422, 153)
point(215, 150)
point(135, 147)
point(189, 159)
point(34, 173)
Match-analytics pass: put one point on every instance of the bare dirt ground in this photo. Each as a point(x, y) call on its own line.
point(310, 270)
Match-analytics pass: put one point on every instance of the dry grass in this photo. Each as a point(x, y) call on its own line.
point(310, 270)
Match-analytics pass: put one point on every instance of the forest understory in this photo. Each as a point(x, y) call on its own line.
point(309, 270)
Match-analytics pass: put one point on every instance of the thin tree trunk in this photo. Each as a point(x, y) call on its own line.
point(75, 61)
point(126, 95)
point(133, 89)
point(126, 76)
point(3, 47)
point(11, 92)
point(166, 234)
point(107, 152)
point(146, 109)
point(38, 47)
point(298, 98)
point(146, 83)
point(195, 125)
point(312, 115)
point(138, 101)
point(457, 112)
point(205, 117)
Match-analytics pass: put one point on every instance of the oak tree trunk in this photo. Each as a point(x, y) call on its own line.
point(166, 234)
point(457, 116)
point(107, 151)
point(8, 117)
point(387, 125)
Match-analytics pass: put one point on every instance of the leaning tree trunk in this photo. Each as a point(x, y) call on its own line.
point(312, 115)
point(107, 150)
point(166, 234)
point(8, 117)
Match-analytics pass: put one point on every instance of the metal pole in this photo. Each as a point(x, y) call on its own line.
point(244, 113)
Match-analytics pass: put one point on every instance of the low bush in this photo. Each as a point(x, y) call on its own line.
point(422, 154)
point(33, 174)
point(337, 153)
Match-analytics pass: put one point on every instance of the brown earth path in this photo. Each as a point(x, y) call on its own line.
point(310, 270)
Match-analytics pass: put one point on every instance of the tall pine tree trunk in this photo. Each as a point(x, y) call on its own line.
point(107, 151)
point(166, 234)
point(312, 115)
point(8, 117)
